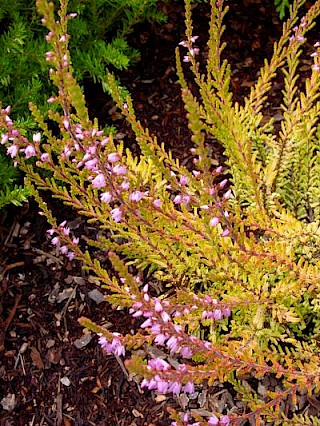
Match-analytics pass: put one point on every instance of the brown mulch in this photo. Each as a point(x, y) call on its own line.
point(51, 373)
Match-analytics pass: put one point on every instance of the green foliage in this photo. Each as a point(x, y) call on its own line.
point(282, 6)
point(10, 192)
point(254, 249)
point(98, 44)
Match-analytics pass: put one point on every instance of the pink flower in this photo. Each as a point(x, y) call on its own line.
point(177, 199)
point(173, 344)
point(55, 241)
point(106, 197)
point(186, 352)
point(13, 150)
point(105, 141)
point(119, 170)
point(189, 387)
point(157, 203)
point(99, 181)
point(158, 364)
point(4, 139)
point(64, 249)
point(175, 388)
point(30, 151)
point(116, 214)
point(223, 183)
point(227, 195)
point(70, 255)
point(66, 231)
point(183, 43)
point(161, 338)
point(114, 347)
point(91, 164)
point(214, 221)
point(36, 137)
point(213, 421)
point(158, 307)
point(45, 157)
point(125, 185)
point(225, 420)
point(225, 233)
point(136, 196)
point(113, 157)
point(183, 180)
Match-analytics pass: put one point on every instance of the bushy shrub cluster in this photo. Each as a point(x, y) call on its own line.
point(98, 43)
point(236, 259)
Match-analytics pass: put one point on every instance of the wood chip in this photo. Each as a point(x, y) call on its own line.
point(83, 341)
point(36, 358)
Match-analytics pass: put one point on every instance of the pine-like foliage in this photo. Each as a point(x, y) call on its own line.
point(236, 269)
point(282, 7)
point(98, 43)
point(10, 192)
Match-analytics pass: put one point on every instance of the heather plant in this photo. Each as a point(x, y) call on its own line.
point(219, 264)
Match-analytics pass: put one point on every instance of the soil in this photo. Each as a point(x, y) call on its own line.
point(51, 373)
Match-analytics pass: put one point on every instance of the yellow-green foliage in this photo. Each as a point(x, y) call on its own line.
point(262, 260)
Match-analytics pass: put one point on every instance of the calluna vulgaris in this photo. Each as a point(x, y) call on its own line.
point(220, 264)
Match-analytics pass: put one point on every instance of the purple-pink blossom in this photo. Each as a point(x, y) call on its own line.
point(99, 181)
point(213, 421)
point(158, 364)
point(136, 196)
point(113, 157)
point(91, 164)
point(118, 170)
point(116, 214)
point(45, 157)
point(183, 180)
point(114, 347)
point(64, 249)
point(189, 387)
point(30, 151)
point(13, 150)
point(106, 197)
point(214, 221)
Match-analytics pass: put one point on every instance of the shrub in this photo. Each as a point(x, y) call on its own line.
point(98, 42)
point(236, 261)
